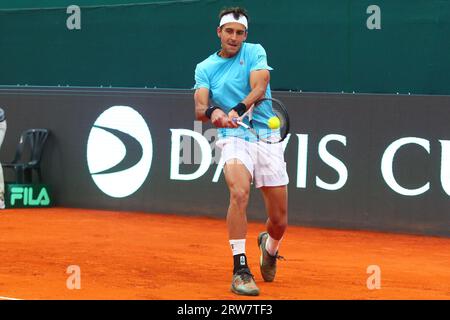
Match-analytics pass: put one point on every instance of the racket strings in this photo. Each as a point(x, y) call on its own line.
point(268, 135)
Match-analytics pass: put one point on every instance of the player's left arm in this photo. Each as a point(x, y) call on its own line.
point(259, 80)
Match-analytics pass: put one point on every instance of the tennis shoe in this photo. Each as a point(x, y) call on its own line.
point(267, 262)
point(243, 283)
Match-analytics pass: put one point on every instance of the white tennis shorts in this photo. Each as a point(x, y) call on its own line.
point(264, 161)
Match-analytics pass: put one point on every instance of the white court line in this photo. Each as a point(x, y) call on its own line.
point(7, 298)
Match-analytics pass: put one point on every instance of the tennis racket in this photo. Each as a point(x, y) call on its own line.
point(271, 136)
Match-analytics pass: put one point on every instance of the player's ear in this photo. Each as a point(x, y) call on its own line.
point(219, 29)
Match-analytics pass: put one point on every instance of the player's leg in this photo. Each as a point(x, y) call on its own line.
point(239, 179)
point(271, 178)
point(275, 200)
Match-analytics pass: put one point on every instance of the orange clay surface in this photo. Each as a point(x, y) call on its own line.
point(125, 255)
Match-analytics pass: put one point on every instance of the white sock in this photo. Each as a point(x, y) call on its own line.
point(237, 246)
point(272, 245)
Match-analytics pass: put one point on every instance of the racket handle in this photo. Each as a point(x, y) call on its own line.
point(235, 120)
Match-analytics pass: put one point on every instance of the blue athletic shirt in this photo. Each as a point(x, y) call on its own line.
point(228, 81)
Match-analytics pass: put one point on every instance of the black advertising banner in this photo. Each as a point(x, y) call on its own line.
point(377, 162)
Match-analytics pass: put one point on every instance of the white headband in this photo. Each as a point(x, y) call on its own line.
point(230, 18)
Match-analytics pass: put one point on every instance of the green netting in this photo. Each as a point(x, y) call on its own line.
point(321, 45)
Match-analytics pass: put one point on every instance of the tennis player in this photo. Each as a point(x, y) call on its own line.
point(227, 83)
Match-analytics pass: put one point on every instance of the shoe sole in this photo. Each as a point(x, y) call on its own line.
point(250, 293)
point(260, 249)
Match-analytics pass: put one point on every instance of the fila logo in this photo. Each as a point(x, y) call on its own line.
point(26, 195)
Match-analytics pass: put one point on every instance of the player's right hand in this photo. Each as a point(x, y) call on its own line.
point(221, 120)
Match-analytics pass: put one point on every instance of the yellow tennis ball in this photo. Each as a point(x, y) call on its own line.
point(274, 123)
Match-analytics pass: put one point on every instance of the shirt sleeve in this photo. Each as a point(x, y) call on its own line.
point(201, 79)
point(260, 59)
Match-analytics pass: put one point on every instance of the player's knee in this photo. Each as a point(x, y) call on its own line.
point(279, 221)
point(281, 224)
point(239, 196)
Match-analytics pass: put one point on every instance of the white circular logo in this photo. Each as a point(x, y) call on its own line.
point(119, 151)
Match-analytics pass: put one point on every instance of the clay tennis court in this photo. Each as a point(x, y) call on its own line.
point(125, 255)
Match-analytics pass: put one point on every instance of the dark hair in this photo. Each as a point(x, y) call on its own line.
point(236, 11)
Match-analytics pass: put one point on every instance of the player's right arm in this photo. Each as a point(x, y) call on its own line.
point(218, 118)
